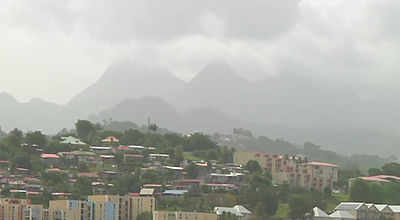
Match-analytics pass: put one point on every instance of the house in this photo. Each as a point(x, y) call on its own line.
point(110, 139)
point(232, 178)
point(222, 187)
point(78, 156)
point(146, 192)
point(159, 157)
point(396, 211)
point(107, 158)
point(357, 209)
point(50, 159)
point(72, 141)
point(385, 211)
point(318, 214)
point(22, 171)
point(240, 211)
point(100, 150)
point(90, 175)
point(378, 179)
point(174, 193)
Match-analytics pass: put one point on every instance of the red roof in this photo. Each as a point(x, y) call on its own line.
point(374, 178)
point(45, 156)
point(123, 147)
point(88, 174)
point(134, 194)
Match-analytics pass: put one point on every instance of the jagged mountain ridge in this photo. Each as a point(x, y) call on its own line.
point(216, 100)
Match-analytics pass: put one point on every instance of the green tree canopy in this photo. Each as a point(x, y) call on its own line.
point(391, 169)
point(253, 166)
point(37, 138)
point(192, 171)
point(84, 128)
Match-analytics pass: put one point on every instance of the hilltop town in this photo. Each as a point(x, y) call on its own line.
point(93, 173)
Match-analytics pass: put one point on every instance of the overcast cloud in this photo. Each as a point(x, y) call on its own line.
point(53, 49)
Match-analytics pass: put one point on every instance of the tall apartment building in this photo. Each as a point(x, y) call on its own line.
point(126, 207)
point(178, 215)
point(20, 209)
point(71, 210)
point(293, 170)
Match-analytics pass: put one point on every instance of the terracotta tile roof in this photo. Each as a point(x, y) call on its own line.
point(45, 156)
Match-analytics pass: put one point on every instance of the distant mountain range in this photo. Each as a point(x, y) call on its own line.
point(217, 100)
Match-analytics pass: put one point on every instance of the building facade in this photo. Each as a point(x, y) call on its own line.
point(293, 170)
point(121, 207)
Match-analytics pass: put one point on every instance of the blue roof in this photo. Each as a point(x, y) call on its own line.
point(174, 192)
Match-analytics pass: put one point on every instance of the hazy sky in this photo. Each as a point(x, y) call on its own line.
point(53, 49)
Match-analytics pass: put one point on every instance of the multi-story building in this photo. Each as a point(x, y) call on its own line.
point(71, 209)
point(178, 215)
point(293, 170)
point(126, 207)
point(33, 212)
point(20, 209)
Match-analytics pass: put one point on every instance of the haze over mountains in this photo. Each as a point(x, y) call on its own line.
point(217, 100)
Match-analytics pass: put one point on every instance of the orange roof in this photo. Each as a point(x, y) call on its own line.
point(110, 139)
point(45, 156)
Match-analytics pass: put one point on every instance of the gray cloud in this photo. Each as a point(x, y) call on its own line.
point(351, 44)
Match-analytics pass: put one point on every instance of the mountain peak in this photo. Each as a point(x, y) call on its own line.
point(217, 72)
point(7, 98)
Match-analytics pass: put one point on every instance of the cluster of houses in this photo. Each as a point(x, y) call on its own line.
point(359, 210)
point(212, 176)
point(23, 182)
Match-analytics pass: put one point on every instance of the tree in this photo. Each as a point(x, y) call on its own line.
point(21, 160)
point(125, 184)
point(199, 141)
point(391, 169)
point(84, 128)
point(253, 166)
point(82, 167)
point(153, 127)
point(5, 191)
point(131, 136)
point(228, 216)
point(359, 191)
point(36, 137)
point(15, 137)
point(144, 216)
point(302, 202)
point(178, 156)
point(82, 188)
point(374, 171)
point(192, 171)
